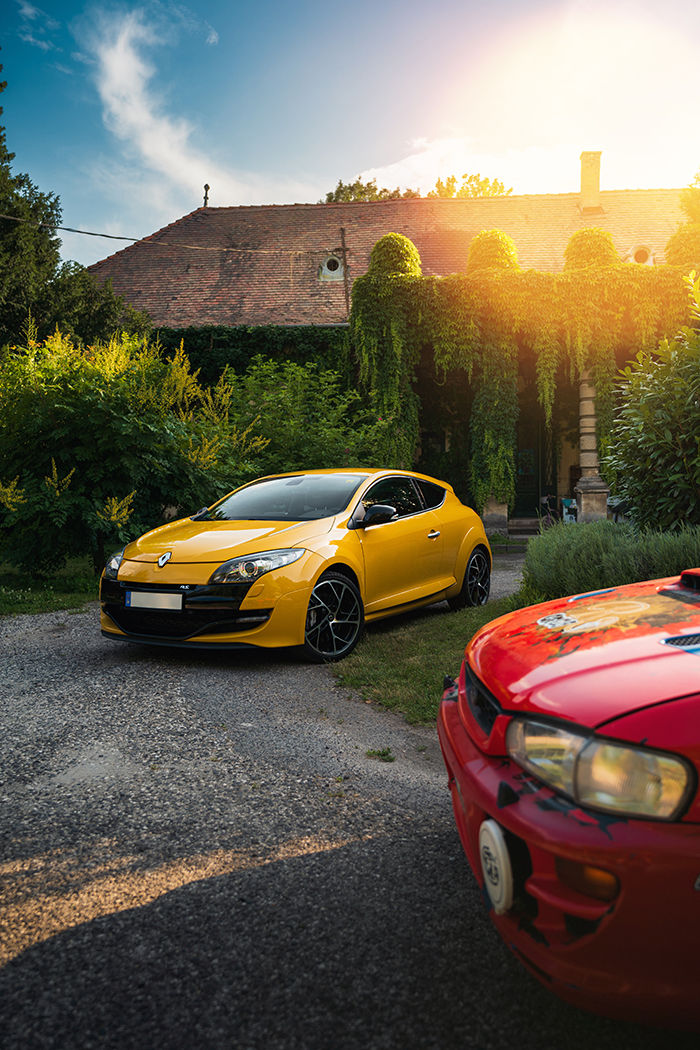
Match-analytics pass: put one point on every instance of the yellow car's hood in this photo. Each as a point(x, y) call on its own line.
point(216, 541)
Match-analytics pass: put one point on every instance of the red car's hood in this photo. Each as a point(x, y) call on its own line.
point(598, 656)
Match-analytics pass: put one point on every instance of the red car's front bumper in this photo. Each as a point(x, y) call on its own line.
point(634, 955)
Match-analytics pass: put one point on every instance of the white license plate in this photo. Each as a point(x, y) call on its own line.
point(152, 600)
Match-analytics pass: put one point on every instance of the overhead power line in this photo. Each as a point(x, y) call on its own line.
point(68, 229)
point(171, 244)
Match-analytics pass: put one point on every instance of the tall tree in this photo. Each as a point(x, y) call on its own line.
point(472, 186)
point(346, 192)
point(690, 199)
point(683, 246)
point(29, 248)
point(32, 279)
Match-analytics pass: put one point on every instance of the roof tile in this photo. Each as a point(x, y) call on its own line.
point(259, 265)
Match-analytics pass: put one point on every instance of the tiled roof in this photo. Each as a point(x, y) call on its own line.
point(198, 271)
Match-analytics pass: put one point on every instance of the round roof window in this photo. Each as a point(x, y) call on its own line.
point(331, 269)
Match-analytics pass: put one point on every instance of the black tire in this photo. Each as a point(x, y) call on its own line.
point(334, 619)
point(477, 581)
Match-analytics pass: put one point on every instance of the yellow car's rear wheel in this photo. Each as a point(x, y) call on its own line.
point(334, 618)
point(477, 581)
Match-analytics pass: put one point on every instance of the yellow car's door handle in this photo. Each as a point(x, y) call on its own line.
point(433, 534)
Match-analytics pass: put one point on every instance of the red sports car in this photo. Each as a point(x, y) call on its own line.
point(572, 744)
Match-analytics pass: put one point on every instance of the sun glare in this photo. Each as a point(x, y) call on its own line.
point(584, 78)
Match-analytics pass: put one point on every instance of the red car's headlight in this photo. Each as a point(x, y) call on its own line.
point(603, 774)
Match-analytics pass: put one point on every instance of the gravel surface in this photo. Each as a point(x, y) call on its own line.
point(198, 852)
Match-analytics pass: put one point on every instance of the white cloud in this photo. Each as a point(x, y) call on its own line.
point(28, 11)
point(29, 38)
point(161, 141)
point(534, 169)
point(531, 170)
point(35, 26)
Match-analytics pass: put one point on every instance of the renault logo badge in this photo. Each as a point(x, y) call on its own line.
point(164, 558)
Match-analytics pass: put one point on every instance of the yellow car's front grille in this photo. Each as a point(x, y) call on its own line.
point(189, 623)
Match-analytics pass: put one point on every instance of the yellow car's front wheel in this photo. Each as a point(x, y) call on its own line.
point(334, 618)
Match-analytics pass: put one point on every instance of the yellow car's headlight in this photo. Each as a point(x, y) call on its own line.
point(249, 567)
point(601, 773)
point(113, 563)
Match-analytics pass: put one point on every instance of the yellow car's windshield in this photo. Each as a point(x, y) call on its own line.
point(302, 497)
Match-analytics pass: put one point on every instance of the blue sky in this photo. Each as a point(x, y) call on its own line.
point(126, 110)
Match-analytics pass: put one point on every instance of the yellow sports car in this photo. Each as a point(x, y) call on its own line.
point(298, 560)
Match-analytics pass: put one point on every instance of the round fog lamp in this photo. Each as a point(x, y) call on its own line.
point(496, 866)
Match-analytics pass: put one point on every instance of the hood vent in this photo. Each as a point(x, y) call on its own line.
point(690, 579)
point(684, 641)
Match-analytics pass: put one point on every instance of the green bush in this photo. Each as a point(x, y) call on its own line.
point(307, 417)
point(97, 444)
point(394, 254)
point(590, 247)
point(683, 248)
point(654, 452)
point(211, 348)
point(492, 249)
point(573, 559)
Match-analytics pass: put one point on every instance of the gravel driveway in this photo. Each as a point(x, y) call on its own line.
point(198, 852)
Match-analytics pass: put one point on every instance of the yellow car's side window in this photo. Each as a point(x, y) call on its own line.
point(395, 492)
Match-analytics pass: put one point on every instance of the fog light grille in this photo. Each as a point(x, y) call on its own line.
point(482, 704)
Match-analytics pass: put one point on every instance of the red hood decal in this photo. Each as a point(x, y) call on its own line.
point(592, 657)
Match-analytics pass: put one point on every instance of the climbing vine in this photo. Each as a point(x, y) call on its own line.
point(683, 248)
point(593, 317)
point(492, 248)
point(382, 320)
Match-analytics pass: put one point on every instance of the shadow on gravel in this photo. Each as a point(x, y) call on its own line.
point(341, 950)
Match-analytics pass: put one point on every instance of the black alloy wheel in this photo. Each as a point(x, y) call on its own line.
point(477, 581)
point(334, 619)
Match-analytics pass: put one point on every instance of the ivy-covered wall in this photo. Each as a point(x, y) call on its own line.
point(444, 357)
point(485, 323)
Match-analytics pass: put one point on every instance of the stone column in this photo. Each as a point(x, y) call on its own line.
point(495, 518)
point(591, 491)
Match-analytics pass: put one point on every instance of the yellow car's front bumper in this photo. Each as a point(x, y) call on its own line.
point(177, 606)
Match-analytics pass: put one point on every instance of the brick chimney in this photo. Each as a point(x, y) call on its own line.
point(590, 183)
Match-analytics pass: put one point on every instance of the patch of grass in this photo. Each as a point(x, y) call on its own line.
point(401, 663)
point(69, 588)
point(384, 754)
